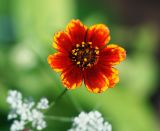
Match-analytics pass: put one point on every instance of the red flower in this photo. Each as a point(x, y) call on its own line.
point(82, 54)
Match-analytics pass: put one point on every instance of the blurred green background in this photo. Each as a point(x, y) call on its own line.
point(26, 32)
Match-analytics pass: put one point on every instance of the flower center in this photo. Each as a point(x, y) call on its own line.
point(84, 55)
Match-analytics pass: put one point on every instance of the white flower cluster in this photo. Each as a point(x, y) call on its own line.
point(26, 111)
point(92, 121)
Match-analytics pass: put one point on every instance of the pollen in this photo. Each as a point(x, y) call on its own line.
point(96, 48)
point(85, 59)
point(78, 62)
point(97, 52)
point(75, 53)
point(77, 45)
point(84, 55)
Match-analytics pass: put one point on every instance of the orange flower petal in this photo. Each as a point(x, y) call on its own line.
point(59, 61)
point(95, 80)
point(111, 74)
point(62, 42)
point(77, 31)
point(72, 77)
point(99, 35)
point(112, 55)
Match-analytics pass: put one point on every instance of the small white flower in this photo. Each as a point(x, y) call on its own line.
point(12, 115)
point(27, 111)
point(17, 125)
point(43, 104)
point(14, 98)
point(92, 121)
point(41, 124)
point(37, 119)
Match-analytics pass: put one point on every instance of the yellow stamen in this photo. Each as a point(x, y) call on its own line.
point(85, 59)
point(77, 45)
point(96, 48)
point(97, 52)
point(83, 43)
point(78, 62)
point(89, 65)
point(87, 50)
point(75, 53)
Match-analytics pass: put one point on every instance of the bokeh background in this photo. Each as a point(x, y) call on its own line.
point(26, 31)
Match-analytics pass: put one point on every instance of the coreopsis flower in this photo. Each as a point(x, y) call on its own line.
point(82, 54)
point(92, 121)
point(25, 111)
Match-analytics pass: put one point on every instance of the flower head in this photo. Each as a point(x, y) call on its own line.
point(92, 121)
point(82, 54)
point(27, 111)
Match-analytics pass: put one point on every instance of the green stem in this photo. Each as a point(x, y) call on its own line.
point(57, 99)
point(57, 118)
